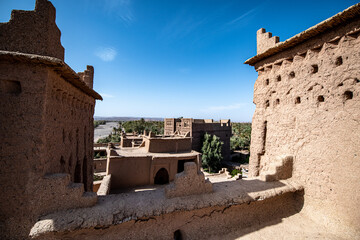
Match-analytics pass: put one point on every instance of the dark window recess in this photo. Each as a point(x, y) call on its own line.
point(321, 98)
point(62, 164)
point(177, 235)
point(314, 68)
point(77, 177)
point(297, 100)
point(348, 95)
point(292, 74)
point(277, 101)
point(85, 174)
point(162, 177)
point(267, 103)
point(278, 78)
point(338, 61)
point(267, 82)
point(7, 86)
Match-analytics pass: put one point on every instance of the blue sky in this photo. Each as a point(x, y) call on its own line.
point(172, 58)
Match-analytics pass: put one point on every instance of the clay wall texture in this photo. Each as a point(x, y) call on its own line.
point(46, 124)
point(68, 126)
point(243, 206)
point(127, 171)
point(197, 129)
point(221, 130)
point(33, 32)
point(168, 145)
point(138, 166)
point(205, 223)
point(20, 121)
point(307, 106)
point(309, 115)
point(39, 120)
point(170, 125)
point(100, 165)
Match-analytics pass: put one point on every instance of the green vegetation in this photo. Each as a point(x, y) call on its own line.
point(99, 122)
point(101, 154)
point(111, 138)
point(241, 136)
point(137, 126)
point(235, 172)
point(211, 153)
point(97, 177)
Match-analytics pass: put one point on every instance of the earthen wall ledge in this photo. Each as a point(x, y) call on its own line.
point(120, 208)
point(56, 64)
point(326, 25)
point(104, 188)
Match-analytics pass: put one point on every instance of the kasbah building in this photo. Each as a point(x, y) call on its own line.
point(305, 131)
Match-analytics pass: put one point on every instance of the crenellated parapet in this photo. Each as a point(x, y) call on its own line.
point(265, 40)
point(87, 76)
point(33, 32)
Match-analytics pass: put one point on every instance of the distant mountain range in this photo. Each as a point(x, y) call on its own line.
point(116, 119)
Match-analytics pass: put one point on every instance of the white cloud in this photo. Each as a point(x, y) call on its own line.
point(223, 108)
point(106, 54)
point(243, 16)
point(105, 95)
point(122, 8)
point(182, 25)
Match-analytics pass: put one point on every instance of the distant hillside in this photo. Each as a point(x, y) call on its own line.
point(127, 118)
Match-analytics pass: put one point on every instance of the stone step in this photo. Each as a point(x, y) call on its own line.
point(280, 168)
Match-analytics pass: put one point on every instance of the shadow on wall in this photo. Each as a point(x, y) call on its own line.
point(262, 214)
point(237, 208)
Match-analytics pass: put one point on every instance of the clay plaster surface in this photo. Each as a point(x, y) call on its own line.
point(307, 106)
point(122, 208)
point(190, 181)
point(298, 226)
point(132, 152)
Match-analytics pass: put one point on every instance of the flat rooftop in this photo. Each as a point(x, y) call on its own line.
point(142, 152)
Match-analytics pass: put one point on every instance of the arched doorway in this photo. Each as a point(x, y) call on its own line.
point(162, 177)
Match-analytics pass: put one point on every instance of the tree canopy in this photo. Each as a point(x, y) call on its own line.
point(211, 152)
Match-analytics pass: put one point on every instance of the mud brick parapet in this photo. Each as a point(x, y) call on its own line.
point(189, 182)
point(69, 194)
point(87, 76)
point(265, 40)
point(33, 32)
